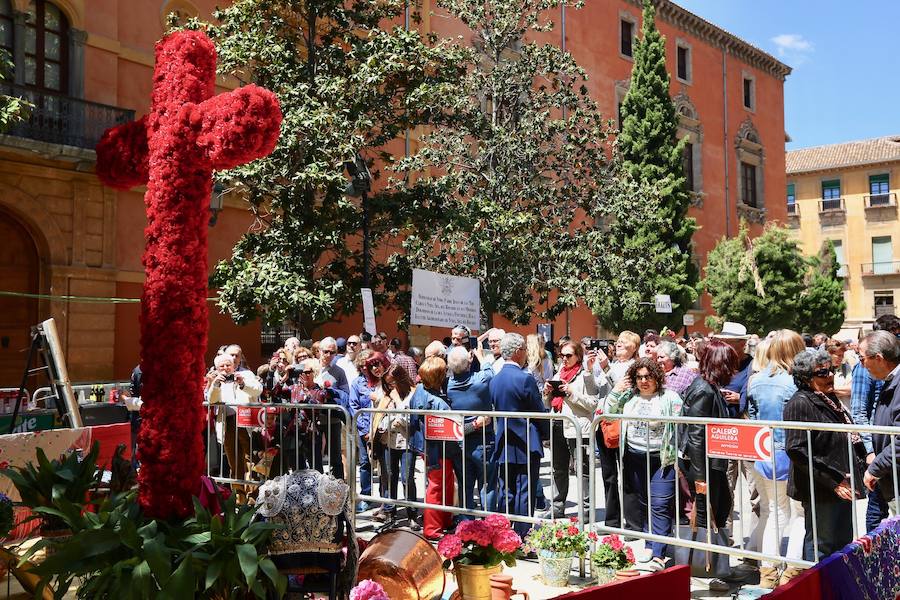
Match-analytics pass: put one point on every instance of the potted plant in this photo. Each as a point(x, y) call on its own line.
point(70, 478)
point(610, 556)
point(477, 550)
point(556, 544)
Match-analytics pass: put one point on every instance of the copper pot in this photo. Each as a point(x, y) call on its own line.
point(405, 564)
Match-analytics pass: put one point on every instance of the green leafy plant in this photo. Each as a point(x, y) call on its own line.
point(118, 553)
point(612, 553)
point(50, 481)
point(561, 536)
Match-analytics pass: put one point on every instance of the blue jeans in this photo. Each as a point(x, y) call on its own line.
point(365, 468)
point(480, 471)
point(876, 510)
point(834, 527)
point(662, 495)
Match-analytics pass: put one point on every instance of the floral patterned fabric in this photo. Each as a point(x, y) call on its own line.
point(867, 569)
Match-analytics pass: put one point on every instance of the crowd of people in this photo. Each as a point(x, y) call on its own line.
point(803, 495)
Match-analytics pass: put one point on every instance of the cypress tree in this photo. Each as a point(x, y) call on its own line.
point(652, 155)
point(822, 305)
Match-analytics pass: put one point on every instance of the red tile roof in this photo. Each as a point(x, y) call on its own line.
point(847, 154)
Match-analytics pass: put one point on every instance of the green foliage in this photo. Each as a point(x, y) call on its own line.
point(822, 303)
point(512, 188)
point(652, 155)
point(348, 80)
point(12, 108)
point(559, 536)
point(767, 283)
point(49, 482)
point(118, 553)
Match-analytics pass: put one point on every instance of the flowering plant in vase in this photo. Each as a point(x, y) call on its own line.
point(560, 537)
point(485, 542)
point(612, 553)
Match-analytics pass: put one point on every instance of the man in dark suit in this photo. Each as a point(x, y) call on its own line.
point(879, 352)
point(517, 449)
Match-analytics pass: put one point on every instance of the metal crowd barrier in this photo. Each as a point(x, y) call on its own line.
point(45, 393)
point(303, 434)
point(740, 551)
point(531, 476)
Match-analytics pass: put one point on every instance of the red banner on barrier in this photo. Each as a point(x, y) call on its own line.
point(443, 429)
point(253, 416)
point(742, 442)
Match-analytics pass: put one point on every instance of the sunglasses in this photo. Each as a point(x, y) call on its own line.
point(373, 365)
point(566, 354)
point(823, 373)
point(308, 372)
point(353, 343)
point(643, 377)
point(326, 351)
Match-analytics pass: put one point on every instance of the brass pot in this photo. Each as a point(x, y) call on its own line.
point(405, 564)
point(474, 581)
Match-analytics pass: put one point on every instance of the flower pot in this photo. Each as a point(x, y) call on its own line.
point(603, 574)
point(555, 567)
point(474, 581)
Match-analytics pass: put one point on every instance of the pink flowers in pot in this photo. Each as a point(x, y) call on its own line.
point(612, 553)
point(487, 542)
point(368, 590)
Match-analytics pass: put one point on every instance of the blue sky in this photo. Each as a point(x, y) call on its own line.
point(844, 85)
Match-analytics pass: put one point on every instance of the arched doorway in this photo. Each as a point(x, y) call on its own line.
point(19, 272)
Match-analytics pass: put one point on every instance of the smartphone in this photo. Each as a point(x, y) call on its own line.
point(594, 344)
point(473, 342)
point(485, 345)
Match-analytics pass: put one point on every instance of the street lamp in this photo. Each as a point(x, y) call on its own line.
point(360, 185)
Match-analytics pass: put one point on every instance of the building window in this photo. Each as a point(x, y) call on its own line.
point(882, 255)
point(840, 259)
point(884, 303)
point(626, 36)
point(791, 200)
point(831, 194)
point(879, 190)
point(748, 185)
point(6, 28)
point(46, 47)
point(683, 62)
point(687, 162)
point(749, 92)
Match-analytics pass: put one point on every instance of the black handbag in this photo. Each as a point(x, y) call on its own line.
point(703, 563)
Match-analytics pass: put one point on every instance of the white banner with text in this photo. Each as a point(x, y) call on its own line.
point(445, 300)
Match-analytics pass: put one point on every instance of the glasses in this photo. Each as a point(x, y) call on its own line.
point(307, 372)
point(643, 377)
point(566, 354)
point(823, 373)
point(326, 351)
point(374, 365)
point(353, 343)
point(492, 342)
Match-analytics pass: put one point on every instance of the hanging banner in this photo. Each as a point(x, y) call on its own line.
point(368, 311)
point(445, 300)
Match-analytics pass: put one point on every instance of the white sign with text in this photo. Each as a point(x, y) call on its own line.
point(445, 300)
point(663, 303)
point(368, 311)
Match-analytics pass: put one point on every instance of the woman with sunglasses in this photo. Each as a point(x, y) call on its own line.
point(832, 491)
point(572, 393)
point(648, 444)
point(372, 366)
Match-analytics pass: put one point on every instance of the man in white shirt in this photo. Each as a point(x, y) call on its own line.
point(346, 362)
point(233, 387)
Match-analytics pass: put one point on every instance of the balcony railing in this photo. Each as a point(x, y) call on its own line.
point(881, 200)
point(881, 268)
point(884, 309)
point(60, 119)
point(827, 205)
point(793, 209)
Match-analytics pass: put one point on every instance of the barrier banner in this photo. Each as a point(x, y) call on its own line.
point(443, 429)
point(739, 442)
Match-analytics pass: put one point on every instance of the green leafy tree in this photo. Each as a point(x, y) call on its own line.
point(514, 187)
point(759, 282)
point(652, 154)
point(12, 108)
point(349, 80)
point(822, 304)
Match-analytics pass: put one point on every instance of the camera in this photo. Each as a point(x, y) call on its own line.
point(229, 378)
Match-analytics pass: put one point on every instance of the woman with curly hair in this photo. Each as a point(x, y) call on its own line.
point(642, 393)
